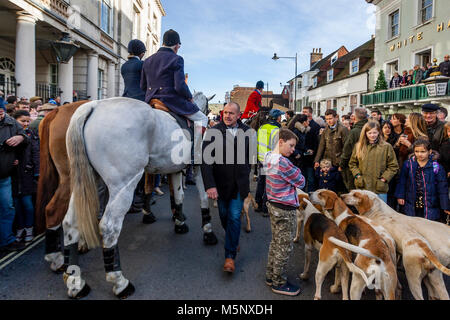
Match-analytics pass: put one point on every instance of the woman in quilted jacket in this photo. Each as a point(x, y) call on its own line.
point(373, 163)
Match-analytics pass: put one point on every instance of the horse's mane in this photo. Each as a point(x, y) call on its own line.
point(196, 94)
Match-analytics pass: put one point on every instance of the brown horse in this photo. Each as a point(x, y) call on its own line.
point(53, 192)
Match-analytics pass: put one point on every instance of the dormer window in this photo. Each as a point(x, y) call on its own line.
point(334, 58)
point(330, 75)
point(315, 82)
point(354, 66)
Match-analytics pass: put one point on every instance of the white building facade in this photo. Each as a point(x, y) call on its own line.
point(101, 29)
point(408, 33)
point(340, 84)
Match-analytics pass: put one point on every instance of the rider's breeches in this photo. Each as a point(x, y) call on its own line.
point(199, 117)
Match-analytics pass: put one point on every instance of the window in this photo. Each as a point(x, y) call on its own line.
point(334, 58)
point(106, 18)
point(330, 75)
point(136, 23)
point(354, 66)
point(155, 24)
point(391, 68)
point(314, 82)
point(394, 24)
point(54, 74)
point(426, 10)
point(100, 84)
point(422, 58)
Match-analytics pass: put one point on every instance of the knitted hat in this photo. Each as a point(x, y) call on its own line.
point(275, 113)
point(171, 38)
point(136, 47)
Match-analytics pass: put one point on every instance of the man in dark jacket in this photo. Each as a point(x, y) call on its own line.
point(350, 142)
point(132, 69)
point(434, 126)
point(226, 177)
point(444, 67)
point(332, 140)
point(163, 78)
point(12, 137)
point(312, 144)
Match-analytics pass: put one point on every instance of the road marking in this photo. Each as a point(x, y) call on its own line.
point(15, 255)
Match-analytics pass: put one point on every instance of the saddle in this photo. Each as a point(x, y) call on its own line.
point(183, 122)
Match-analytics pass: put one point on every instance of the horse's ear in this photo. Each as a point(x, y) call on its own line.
point(212, 97)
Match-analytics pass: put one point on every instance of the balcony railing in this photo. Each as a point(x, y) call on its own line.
point(58, 6)
point(398, 95)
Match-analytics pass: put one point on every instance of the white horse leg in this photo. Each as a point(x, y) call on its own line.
point(77, 287)
point(53, 252)
point(209, 238)
point(120, 200)
point(178, 193)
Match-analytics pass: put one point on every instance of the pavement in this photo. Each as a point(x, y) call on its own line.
point(163, 265)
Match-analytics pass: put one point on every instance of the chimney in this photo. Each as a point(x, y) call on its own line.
point(316, 55)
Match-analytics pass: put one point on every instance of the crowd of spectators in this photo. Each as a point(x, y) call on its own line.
point(418, 74)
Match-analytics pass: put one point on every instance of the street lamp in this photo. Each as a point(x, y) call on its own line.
point(64, 48)
point(275, 57)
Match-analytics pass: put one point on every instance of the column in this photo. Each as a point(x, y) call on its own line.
point(65, 81)
point(25, 59)
point(111, 79)
point(92, 75)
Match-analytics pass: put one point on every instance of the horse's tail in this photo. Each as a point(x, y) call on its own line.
point(82, 177)
point(48, 175)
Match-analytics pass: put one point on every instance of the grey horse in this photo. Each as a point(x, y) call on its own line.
point(138, 139)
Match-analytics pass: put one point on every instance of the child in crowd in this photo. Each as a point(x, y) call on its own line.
point(328, 176)
point(282, 180)
point(24, 180)
point(423, 188)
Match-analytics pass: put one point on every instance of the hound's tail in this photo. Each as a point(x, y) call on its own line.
point(376, 272)
point(82, 177)
point(432, 257)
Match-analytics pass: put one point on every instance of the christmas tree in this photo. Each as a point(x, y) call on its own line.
point(381, 82)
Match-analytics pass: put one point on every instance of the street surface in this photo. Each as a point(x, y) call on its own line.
point(164, 265)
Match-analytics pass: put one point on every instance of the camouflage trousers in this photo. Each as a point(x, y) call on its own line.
point(283, 228)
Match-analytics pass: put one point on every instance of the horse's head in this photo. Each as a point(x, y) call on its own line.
point(202, 101)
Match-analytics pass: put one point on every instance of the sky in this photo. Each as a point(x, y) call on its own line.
point(231, 42)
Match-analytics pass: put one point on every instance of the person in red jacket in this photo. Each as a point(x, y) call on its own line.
point(253, 102)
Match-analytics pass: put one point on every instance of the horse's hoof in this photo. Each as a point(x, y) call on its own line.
point(128, 291)
point(83, 293)
point(181, 229)
point(248, 230)
point(209, 238)
point(173, 217)
point(148, 218)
